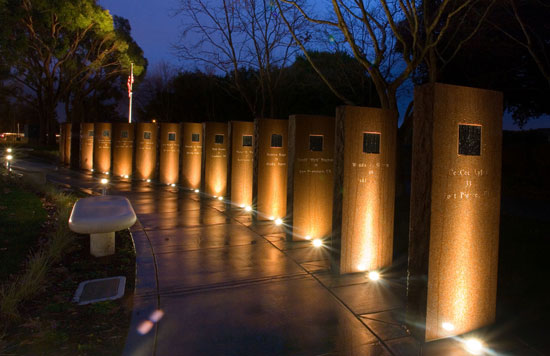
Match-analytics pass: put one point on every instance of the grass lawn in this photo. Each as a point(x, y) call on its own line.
point(21, 217)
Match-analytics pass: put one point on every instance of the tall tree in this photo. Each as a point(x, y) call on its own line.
point(240, 37)
point(57, 49)
point(371, 30)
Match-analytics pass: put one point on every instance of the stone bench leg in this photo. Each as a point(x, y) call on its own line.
point(102, 244)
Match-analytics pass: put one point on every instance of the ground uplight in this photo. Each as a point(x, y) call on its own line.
point(374, 276)
point(317, 242)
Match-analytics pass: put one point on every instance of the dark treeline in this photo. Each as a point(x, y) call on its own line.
point(196, 96)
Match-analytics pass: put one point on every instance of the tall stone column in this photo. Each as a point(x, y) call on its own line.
point(102, 147)
point(191, 155)
point(146, 150)
point(123, 149)
point(364, 188)
point(87, 146)
point(216, 160)
point(169, 152)
point(242, 162)
point(455, 210)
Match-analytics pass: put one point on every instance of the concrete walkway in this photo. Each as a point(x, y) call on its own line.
point(212, 282)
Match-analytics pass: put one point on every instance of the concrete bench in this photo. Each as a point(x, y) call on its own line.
point(100, 217)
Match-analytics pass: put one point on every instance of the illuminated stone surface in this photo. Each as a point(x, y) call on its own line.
point(364, 188)
point(102, 147)
point(191, 155)
point(270, 186)
point(87, 146)
point(242, 162)
point(123, 148)
point(146, 150)
point(455, 207)
point(67, 135)
point(310, 181)
point(169, 152)
point(216, 160)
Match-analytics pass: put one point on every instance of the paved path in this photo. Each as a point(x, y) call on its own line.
point(225, 285)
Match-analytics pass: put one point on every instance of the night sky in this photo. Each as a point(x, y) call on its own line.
point(155, 30)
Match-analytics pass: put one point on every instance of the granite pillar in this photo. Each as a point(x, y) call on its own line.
point(146, 150)
point(67, 143)
point(169, 152)
point(364, 188)
point(216, 160)
point(242, 162)
point(102, 147)
point(62, 129)
point(123, 149)
point(455, 209)
point(191, 155)
point(310, 178)
point(270, 162)
point(86, 146)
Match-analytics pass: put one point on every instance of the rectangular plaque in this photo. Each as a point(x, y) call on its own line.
point(218, 139)
point(371, 142)
point(469, 140)
point(90, 134)
point(171, 136)
point(124, 134)
point(276, 140)
point(316, 143)
point(147, 135)
point(106, 133)
point(247, 140)
point(195, 137)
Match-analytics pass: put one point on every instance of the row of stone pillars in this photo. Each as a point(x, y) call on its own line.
point(334, 179)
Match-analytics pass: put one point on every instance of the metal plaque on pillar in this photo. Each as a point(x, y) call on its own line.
point(455, 210)
point(216, 160)
point(364, 188)
point(310, 178)
point(191, 155)
point(123, 149)
point(86, 145)
point(102, 147)
point(242, 162)
point(271, 148)
point(169, 153)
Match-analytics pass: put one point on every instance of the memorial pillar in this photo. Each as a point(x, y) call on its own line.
point(455, 210)
point(62, 129)
point(86, 145)
point(191, 155)
point(67, 143)
point(364, 188)
point(310, 178)
point(216, 160)
point(169, 153)
point(242, 162)
point(102, 147)
point(123, 149)
point(146, 150)
point(270, 161)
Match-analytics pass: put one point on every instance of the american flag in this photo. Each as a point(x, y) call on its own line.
point(129, 84)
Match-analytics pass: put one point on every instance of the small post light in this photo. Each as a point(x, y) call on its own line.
point(8, 162)
point(474, 346)
point(374, 276)
point(9, 150)
point(317, 242)
point(104, 182)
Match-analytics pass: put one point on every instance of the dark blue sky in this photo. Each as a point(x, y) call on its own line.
point(155, 30)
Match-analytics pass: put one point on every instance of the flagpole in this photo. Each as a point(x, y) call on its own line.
point(130, 93)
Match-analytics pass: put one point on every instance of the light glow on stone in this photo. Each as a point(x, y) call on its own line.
point(317, 242)
point(308, 237)
point(362, 267)
point(271, 218)
point(278, 221)
point(448, 326)
point(474, 346)
point(374, 276)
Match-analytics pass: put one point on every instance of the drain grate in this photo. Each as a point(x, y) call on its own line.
point(99, 290)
